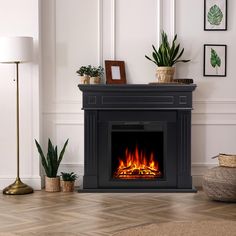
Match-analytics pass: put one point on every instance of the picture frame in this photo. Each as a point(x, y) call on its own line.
point(215, 15)
point(115, 72)
point(215, 59)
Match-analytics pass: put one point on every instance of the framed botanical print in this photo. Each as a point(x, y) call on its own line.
point(215, 15)
point(215, 56)
point(115, 72)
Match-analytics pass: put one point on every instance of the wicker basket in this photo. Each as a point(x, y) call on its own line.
point(52, 184)
point(165, 74)
point(227, 160)
point(67, 186)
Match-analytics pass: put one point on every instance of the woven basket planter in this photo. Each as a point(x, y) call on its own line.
point(52, 184)
point(84, 79)
point(219, 183)
point(67, 186)
point(94, 80)
point(165, 74)
point(227, 160)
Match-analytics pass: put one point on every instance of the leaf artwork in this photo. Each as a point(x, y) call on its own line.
point(215, 60)
point(215, 15)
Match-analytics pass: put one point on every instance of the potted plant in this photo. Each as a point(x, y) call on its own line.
point(84, 72)
point(96, 74)
point(68, 181)
point(166, 57)
point(51, 164)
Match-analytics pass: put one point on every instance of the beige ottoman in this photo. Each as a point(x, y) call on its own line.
point(219, 183)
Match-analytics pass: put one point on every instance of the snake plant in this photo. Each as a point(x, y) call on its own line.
point(167, 55)
point(52, 161)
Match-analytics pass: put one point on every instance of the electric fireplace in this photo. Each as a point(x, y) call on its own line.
point(136, 153)
point(137, 138)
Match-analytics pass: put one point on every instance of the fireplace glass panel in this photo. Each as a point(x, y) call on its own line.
point(137, 155)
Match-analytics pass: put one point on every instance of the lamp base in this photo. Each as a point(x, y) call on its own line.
point(17, 188)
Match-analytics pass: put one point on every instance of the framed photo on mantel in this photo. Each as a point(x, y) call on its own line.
point(115, 72)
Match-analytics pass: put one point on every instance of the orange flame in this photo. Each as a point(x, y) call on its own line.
point(137, 165)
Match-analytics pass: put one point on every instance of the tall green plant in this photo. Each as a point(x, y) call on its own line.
point(52, 161)
point(167, 55)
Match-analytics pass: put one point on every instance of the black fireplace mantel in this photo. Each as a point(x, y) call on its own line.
point(137, 96)
point(164, 103)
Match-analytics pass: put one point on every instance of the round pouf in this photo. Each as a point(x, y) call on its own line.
point(219, 183)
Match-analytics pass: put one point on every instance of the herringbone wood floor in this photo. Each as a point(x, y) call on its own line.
point(104, 213)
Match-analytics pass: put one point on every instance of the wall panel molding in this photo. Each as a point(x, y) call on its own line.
point(159, 20)
point(113, 29)
point(169, 21)
point(159, 23)
point(100, 32)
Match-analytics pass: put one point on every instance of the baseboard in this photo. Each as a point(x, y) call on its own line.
point(35, 182)
point(32, 181)
point(198, 170)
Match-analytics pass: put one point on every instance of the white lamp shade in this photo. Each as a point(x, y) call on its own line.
point(16, 49)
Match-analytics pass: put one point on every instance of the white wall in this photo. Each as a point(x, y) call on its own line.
point(214, 115)
point(19, 18)
point(80, 32)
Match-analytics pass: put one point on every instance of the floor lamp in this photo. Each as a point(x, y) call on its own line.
point(16, 50)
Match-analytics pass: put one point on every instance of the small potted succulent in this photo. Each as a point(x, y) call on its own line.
point(165, 58)
point(68, 181)
point(51, 164)
point(90, 75)
point(96, 74)
point(84, 73)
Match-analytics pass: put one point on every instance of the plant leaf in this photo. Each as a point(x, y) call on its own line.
point(150, 59)
point(154, 55)
point(215, 59)
point(51, 160)
point(215, 15)
point(181, 53)
point(166, 55)
point(43, 159)
point(62, 153)
point(176, 51)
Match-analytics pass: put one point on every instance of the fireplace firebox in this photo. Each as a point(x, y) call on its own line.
point(136, 152)
point(137, 138)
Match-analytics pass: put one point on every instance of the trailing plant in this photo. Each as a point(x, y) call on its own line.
point(52, 161)
point(68, 176)
point(167, 55)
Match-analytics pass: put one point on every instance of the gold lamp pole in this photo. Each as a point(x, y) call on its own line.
point(16, 50)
